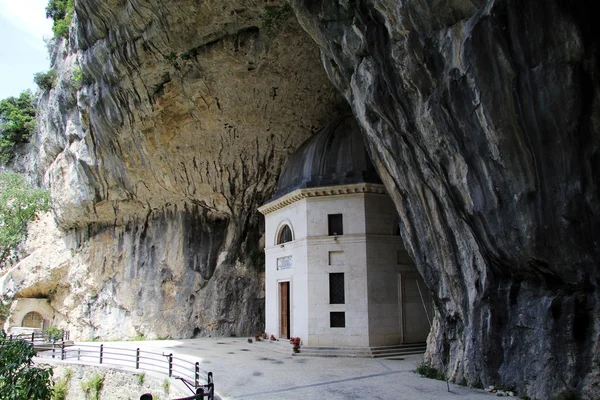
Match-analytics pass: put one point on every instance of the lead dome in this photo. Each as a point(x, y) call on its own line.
point(336, 155)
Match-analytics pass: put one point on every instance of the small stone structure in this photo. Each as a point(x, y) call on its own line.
point(28, 315)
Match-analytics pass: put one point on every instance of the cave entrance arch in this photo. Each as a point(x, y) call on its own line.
point(33, 320)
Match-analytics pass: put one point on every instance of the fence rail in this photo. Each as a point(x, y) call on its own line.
point(41, 336)
point(166, 364)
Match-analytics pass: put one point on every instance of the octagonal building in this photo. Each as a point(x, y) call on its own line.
point(337, 272)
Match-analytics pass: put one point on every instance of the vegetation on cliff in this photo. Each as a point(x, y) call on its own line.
point(20, 203)
point(17, 123)
point(45, 80)
point(61, 12)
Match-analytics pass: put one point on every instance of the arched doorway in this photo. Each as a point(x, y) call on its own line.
point(33, 320)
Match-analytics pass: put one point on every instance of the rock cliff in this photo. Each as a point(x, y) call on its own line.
point(483, 119)
point(480, 115)
point(166, 130)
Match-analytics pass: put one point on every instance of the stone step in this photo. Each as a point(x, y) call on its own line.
point(365, 352)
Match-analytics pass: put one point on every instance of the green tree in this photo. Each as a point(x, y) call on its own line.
point(19, 204)
point(45, 80)
point(19, 378)
point(61, 12)
point(17, 123)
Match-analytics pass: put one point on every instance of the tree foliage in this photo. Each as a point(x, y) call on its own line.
point(19, 378)
point(61, 12)
point(19, 204)
point(45, 80)
point(17, 123)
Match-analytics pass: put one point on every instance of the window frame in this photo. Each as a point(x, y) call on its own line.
point(280, 239)
point(338, 298)
point(337, 313)
point(331, 219)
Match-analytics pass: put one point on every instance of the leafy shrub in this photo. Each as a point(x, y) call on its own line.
point(61, 12)
point(428, 371)
point(17, 123)
point(53, 334)
point(19, 378)
point(45, 80)
point(19, 204)
point(4, 312)
point(77, 77)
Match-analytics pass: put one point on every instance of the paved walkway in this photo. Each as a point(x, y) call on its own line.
point(267, 370)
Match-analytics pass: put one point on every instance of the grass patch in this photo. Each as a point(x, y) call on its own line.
point(61, 386)
point(93, 386)
point(477, 384)
point(428, 371)
point(140, 378)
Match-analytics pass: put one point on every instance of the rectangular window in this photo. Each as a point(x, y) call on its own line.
point(336, 288)
point(337, 319)
point(336, 226)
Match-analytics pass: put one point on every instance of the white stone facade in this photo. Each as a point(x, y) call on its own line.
point(377, 272)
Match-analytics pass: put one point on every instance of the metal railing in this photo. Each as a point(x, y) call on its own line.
point(39, 336)
point(167, 364)
point(161, 363)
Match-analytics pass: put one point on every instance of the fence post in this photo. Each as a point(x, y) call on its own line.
point(53, 347)
point(33, 337)
point(200, 391)
point(62, 351)
point(101, 351)
point(79, 354)
point(211, 387)
point(137, 358)
point(170, 365)
point(197, 374)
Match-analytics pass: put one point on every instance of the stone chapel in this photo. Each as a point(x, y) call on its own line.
point(337, 272)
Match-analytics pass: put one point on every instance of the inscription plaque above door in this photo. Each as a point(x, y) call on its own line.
point(284, 263)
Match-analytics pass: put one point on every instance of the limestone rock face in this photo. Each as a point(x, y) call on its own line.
point(166, 130)
point(482, 118)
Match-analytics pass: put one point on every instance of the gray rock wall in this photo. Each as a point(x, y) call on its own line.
point(482, 118)
point(158, 157)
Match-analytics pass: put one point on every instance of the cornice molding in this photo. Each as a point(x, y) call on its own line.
point(339, 190)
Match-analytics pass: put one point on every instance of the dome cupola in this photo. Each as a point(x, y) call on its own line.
point(336, 155)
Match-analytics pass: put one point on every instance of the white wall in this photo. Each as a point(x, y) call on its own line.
point(369, 254)
point(293, 215)
point(349, 258)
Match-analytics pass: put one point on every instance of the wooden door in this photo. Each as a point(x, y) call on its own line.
point(416, 309)
point(284, 289)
